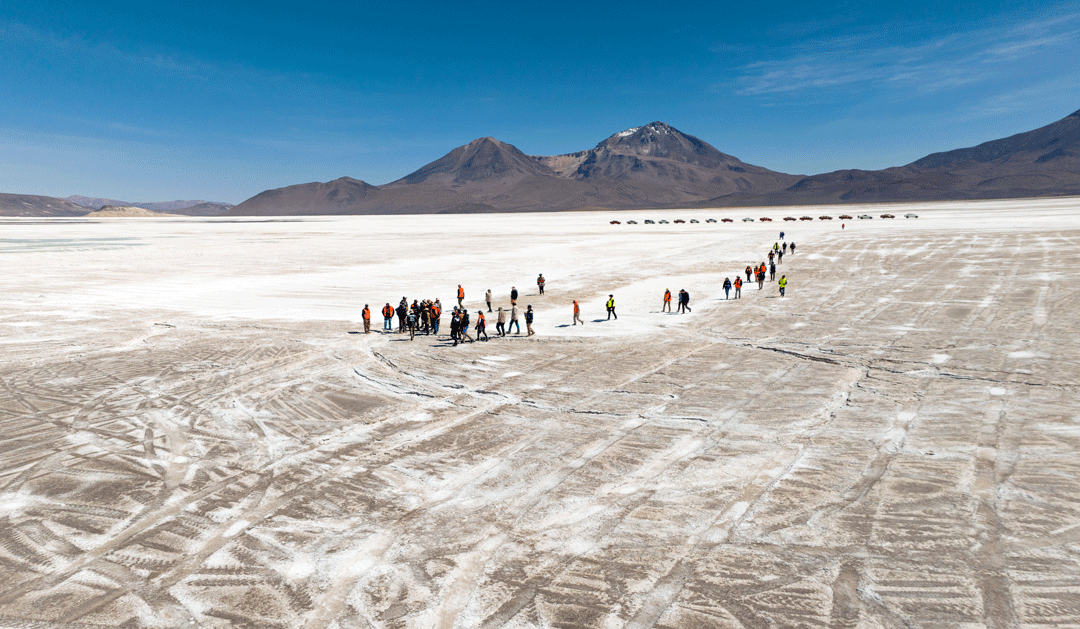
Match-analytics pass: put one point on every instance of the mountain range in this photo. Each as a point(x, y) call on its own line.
point(651, 166)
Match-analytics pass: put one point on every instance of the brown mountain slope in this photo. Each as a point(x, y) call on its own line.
point(651, 166)
point(33, 205)
point(1042, 162)
point(340, 196)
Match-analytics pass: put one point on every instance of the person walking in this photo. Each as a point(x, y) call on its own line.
point(761, 276)
point(748, 272)
point(514, 318)
point(772, 256)
point(455, 326)
point(611, 308)
point(783, 284)
point(780, 256)
point(500, 323)
point(411, 319)
point(540, 281)
point(460, 296)
point(684, 301)
point(481, 325)
point(781, 235)
point(487, 297)
point(464, 331)
point(366, 315)
point(738, 287)
point(772, 271)
point(776, 246)
point(402, 312)
point(792, 248)
point(577, 314)
point(388, 318)
point(433, 315)
point(784, 248)
point(529, 320)
point(667, 301)
point(727, 288)
point(513, 295)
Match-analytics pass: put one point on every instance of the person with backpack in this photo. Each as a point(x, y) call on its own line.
point(611, 308)
point(529, 320)
point(667, 301)
point(727, 288)
point(540, 281)
point(463, 331)
point(514, 318)
point(455, 326)
point(411, 319)
point(500, 323)
point(388, 318)
point(365, 314)
point(577, 314)
point(783, 284)
point(738, 287)
point(481, 325)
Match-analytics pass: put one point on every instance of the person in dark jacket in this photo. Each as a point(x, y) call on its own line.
point(727, 288)
point(529, 320)
point(684, 301)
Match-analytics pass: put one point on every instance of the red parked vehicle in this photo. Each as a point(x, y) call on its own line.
point(727, 220)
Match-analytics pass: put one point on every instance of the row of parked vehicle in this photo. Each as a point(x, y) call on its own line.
point(765, 219)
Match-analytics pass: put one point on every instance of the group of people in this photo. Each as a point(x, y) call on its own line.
point(423, 316)
point(776, 256)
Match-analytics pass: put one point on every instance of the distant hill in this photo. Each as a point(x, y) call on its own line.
point(32, 205)
point(112, 211)
point(651, 166)
point(1043, 162)
point(189, 208)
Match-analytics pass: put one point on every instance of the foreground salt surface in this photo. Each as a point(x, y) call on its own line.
point(192, 436)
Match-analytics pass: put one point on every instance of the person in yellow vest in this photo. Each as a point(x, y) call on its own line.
point(367, 318)
point(577, 314)
point(611, 308)
point(783, 284)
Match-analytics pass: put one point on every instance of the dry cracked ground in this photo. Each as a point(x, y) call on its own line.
point(894, 444)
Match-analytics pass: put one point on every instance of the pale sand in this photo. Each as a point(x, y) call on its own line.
point(193, 435)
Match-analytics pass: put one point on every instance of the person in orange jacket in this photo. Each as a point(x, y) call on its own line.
point(738, 287)
point(460, 295)
point(481, 325)
point(366, 314)
point(667, 301)
point(388, 318)
point(577, 314)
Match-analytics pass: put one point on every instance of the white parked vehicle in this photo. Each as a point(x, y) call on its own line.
point(748, 220)
point(911, 216)
point(865, 217)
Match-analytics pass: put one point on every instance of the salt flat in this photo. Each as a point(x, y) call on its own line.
point(193, 433)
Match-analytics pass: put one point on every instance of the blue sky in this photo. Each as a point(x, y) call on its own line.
point(147, 101)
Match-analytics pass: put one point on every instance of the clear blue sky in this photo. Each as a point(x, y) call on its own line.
point(146, 101)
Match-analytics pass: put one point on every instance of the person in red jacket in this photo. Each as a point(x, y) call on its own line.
point(460, 295)
point(366, 314)
point(577, 314)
